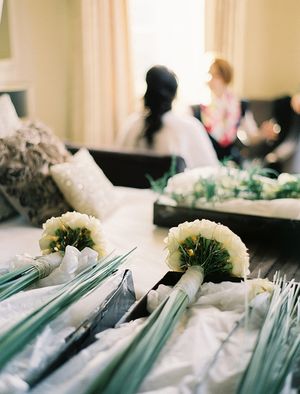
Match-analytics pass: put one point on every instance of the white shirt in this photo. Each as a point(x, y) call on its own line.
point(180, 135)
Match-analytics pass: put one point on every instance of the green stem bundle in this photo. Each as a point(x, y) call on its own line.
point(18, 336)
point(134, 362)
point(18, 280)
point(278, 345)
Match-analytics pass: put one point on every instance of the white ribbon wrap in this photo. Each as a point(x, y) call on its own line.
point(45, 266)
point(191, 281)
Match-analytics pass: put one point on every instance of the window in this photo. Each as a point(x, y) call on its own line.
point(169, 32)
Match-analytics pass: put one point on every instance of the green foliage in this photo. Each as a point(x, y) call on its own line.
point(208, 253)
point(252, 184)
point(159, 184)
point(127, 369)
point(289, 190)
point(277, 349)
point(18, 336)
point(79, 237)
point(13, 282)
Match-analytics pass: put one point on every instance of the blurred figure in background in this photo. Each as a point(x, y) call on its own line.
point(222, 115)
point(226, 117)
point(159, 129)
point(295, 103)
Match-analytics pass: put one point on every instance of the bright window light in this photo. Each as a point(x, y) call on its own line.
point(171, 33)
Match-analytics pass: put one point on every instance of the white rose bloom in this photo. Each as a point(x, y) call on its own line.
point(270, 189)
point(229, 180)
point(258, 286)
point(285, 178)
point(183, 183)
point(52, 225)
point(75, 220)
point(174, 261)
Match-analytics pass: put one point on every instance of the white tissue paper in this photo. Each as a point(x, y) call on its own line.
point(184, 364)
point(67, 266)
point(45, 347)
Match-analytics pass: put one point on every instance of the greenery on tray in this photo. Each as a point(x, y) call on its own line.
point(158, 185)
point(226, 183)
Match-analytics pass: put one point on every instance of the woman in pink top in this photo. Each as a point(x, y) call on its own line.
point(221, 117)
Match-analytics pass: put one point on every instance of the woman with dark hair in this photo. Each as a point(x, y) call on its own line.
point(161, 130)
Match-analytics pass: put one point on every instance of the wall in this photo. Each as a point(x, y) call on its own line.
point(272, 55)
point(42, 53)
point(40, 62)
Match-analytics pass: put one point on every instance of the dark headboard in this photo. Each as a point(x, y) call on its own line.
point(130, 168)
point(20, 101)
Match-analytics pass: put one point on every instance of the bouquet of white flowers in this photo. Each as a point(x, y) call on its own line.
point(198, 248)
point(200, 185)
point(72, 228)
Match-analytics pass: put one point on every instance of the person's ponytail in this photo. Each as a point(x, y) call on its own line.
point(161, 91)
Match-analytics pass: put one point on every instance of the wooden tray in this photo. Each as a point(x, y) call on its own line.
point(241, 224)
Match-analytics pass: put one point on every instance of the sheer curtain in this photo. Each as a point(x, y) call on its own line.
point(225, 32)
point(101, 80)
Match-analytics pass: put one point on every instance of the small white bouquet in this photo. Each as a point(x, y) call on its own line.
point(198, 248)
point(75, 229)
point(212, 246)
point(71, 229)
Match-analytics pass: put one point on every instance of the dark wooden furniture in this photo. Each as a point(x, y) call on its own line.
point(131, 168)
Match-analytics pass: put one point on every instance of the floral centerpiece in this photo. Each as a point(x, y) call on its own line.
point(226, 194)
point(218, 185)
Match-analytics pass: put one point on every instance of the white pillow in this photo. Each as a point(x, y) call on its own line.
point(84, 185)
point(9, 120)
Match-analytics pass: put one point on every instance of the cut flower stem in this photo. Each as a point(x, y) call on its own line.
point(198, 248)
point(18, 336)
point(136, 359)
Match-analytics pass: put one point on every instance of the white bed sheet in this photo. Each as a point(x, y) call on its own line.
point(129, 226)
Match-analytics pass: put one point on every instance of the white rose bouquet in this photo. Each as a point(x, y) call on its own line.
point(198, 248)
point(212, 246)
point(72, 228)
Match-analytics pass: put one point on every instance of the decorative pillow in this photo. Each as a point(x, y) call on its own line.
point(9, 120)
point(25, 178)
point(84, 185)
